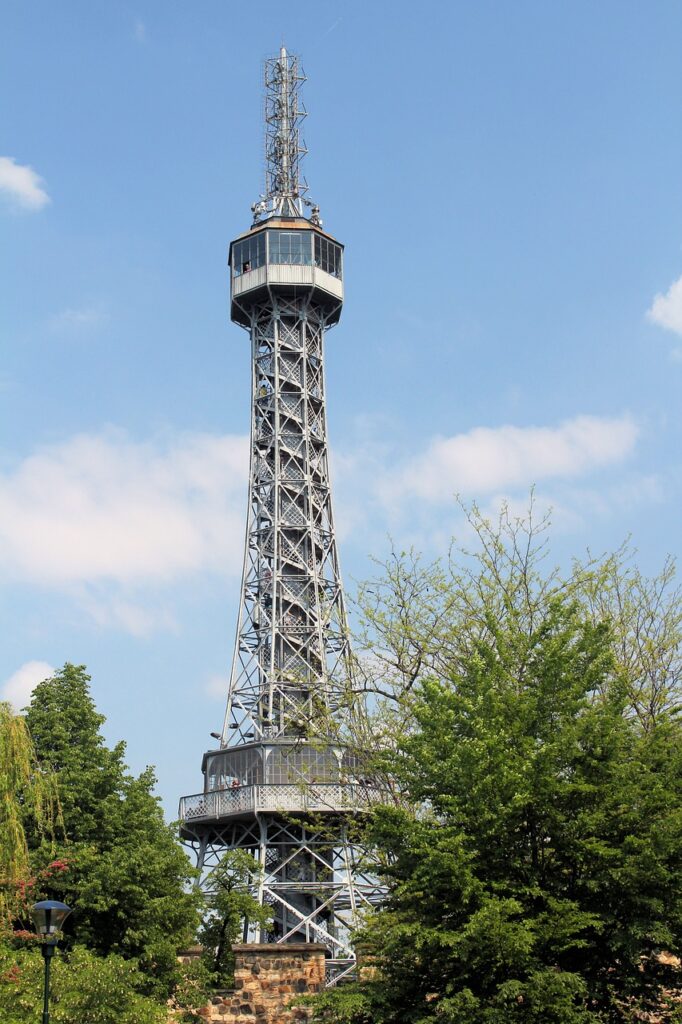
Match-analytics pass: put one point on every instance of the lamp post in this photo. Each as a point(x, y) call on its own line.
point(48, 917)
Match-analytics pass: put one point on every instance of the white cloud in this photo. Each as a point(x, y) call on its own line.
point(485, 460)
point(102, 508)
point(22, 185)
point(77, 319)
point(666, 309)
point(113, 611)
point(112, 524)
point(217, 686)
point(139, 31)
point(21, 684)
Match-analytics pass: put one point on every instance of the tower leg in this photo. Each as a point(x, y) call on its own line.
point(201, 858)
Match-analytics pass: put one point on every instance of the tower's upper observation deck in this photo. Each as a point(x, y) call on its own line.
point(291, 256)
point(285, 254)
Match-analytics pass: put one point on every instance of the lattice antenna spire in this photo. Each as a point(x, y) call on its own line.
point(285, 187)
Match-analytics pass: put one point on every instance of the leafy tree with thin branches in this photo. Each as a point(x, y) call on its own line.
point(27, 794)
point(230, 903)
point(529, 721)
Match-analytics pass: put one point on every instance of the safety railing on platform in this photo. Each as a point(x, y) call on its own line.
point(222, 803)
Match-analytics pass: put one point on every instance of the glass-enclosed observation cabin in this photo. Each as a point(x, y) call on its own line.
point(278, 777)
point(290, 257)
point(278, 764)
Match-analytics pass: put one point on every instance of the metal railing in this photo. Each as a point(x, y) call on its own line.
point(222, 803)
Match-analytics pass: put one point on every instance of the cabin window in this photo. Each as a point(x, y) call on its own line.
point(290, 247)
point(248, 254)
point(328, 256)
point(231, 769)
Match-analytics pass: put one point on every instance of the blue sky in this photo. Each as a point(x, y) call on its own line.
point(507, 181)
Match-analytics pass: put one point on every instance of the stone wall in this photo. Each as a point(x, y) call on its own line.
point(266, 978)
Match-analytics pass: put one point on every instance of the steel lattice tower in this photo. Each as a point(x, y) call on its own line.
point(283, 784)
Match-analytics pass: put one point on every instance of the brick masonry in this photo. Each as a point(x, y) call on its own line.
point(266, 978)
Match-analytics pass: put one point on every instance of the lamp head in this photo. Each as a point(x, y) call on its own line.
point(49, 916)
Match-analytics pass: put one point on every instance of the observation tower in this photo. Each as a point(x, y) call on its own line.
point(283, 783)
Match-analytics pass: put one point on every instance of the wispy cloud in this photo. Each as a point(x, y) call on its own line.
point(380, 490)
point(216, 686)
point(110, 610)
point(486, 459)
point(106, 508)
point(21, 684)
point(21, 185)
point(328, 31)
point(115, 524)
point(666, 312)
point(139, 31)
point(77, 319)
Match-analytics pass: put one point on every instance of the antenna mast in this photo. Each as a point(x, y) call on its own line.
point(285, 188)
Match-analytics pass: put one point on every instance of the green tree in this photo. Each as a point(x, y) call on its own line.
point(128, 879)
point(230, 903)
point(86, 989)
point(26, 794)
point(533, 861)
point(646, 618)
point(421, 619)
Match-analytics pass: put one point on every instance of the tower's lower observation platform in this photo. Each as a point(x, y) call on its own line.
point(296, 807)
point(282, 776)
point(242, 801)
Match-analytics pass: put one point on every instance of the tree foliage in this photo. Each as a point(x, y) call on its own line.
point(85, 989)
point(645, 614)
point(420, 619)
point(230, 903)
point(128, 878)
point(529, 721)
point(26, 794)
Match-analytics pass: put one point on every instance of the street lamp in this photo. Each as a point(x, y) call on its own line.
point(48, 917)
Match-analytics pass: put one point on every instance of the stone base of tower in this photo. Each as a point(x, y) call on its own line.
point(267, 978)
